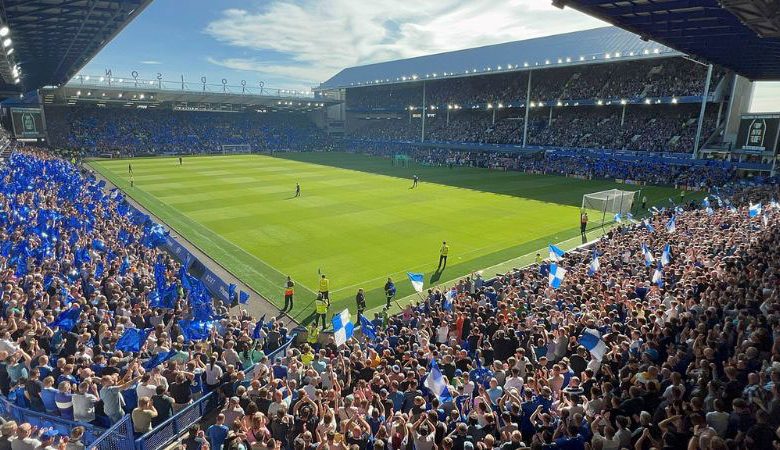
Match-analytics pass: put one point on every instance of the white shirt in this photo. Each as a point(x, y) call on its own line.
point(213, 374)
point(147, 390)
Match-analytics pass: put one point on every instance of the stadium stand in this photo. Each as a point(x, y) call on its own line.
point(596, 361)
point(157, 131)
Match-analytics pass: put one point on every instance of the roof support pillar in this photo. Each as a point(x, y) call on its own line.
point(424, 113)
point(702, 111)
point(527, 106)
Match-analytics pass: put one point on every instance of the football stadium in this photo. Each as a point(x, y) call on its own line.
point(564, 240)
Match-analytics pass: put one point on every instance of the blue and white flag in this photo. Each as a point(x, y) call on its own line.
point(618, 219)
point(706, 202)
point(594, 264)
point(449, 299)
point(557, 273)
point(629, 217)
point(417, 280)
point(342, 327)
point(709, 211)
point(591, 340)
point(666, 256)
point(648, 225)
point(556, 254)
point(436, 384)
point(754, 210)
point(647, 255)
point(773, 204)
point(368, 328)
point(658, 276)
point(671, 225)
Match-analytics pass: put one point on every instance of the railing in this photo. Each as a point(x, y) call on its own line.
point(62, 426)
point(170, 430)
point(118, 437)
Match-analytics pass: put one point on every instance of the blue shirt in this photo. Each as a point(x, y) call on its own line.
point(47, 396)
point(217, 434)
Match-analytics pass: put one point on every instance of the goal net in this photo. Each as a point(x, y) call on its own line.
point(604, 205)
point(236, 148)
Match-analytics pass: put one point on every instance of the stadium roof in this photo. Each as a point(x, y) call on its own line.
point(53, 39)
point(742, 35)
point(581, 47)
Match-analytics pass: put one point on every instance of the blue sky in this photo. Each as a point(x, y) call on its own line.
point(296, 44)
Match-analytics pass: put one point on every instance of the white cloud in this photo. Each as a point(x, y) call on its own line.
point(150, 62)
point(305, 42)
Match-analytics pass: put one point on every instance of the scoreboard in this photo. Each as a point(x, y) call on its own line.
point(758, 133)
point(28, 122)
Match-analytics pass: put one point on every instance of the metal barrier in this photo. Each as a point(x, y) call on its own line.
point(118, 437)
point(170, 430)
point(92, 433)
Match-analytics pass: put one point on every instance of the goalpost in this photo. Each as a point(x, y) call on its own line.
point(228, 149)
point(607, 204)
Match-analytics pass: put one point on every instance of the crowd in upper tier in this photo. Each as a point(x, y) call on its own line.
point(666, 77)
point(643, 128)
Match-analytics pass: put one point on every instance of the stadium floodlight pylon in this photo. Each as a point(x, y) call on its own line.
point(608, 203)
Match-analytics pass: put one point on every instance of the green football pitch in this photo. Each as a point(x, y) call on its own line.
point(358, 221)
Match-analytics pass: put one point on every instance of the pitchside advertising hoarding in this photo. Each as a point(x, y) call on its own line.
point(28, 123)
point(758, 133)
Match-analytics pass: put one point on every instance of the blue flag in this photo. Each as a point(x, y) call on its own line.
point(67, 319)
point(368, 329)
point(132, 340)
point(243, 298)
point(195, 330)
point(158, 359)
point(231, 291)
point(258, 328)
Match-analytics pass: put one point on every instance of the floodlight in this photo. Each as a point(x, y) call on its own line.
point(647, 101)
point(674, 100)
point(16, 80)
point(10, 50)
point(7, 42)
point(4, 30)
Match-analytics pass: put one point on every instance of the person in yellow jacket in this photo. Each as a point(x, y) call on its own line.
point(324, 286)
point(313, 335)
point(445, 249)
point(321, 309)
point(289, 292)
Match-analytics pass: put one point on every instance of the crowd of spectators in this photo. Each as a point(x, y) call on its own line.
point(130, 131)
point(669, 128)
point(623, 354)
point(666, 77)
point(96, 320)
point(582, 164)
